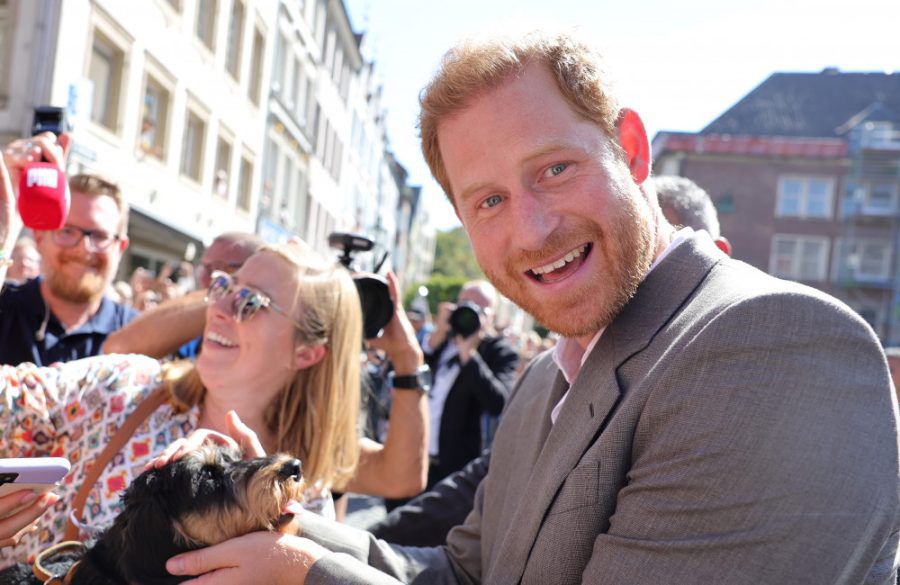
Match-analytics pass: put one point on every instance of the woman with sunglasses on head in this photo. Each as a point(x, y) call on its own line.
point(281, 355)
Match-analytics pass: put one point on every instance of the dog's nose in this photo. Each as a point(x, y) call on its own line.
point(291, 469)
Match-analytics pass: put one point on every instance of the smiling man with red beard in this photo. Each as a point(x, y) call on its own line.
point(699, 422)
point(64, 314)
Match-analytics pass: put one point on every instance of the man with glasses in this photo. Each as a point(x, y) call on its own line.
point(64, 315)
point(176, 325)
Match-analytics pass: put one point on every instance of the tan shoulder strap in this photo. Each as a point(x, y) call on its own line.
point(125, 432)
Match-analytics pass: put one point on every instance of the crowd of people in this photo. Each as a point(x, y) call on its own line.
point(691, 420)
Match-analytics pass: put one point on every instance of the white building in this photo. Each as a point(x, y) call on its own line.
point(212, 115)
point(166, 97)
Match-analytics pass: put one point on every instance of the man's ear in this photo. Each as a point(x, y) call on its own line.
point(123, 243)
point(724, 245)
point(306, 356)
point(633, 138)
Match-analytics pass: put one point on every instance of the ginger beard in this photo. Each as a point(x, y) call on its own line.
point(85, 287)
point(619, 254)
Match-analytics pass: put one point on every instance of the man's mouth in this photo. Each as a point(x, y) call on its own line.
point(220, 339)
point(562, 268)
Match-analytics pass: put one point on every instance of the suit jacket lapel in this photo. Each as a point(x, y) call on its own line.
point(596, 391)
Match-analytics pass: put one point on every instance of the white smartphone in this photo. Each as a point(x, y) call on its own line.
point(38, 474)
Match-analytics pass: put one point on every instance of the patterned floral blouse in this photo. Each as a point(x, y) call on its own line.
point(72, 410)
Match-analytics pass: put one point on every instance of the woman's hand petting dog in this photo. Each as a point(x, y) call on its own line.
point(241, 438)
point(19, 512)
point(259, 557)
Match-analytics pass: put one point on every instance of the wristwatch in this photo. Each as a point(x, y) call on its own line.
point(420, 381)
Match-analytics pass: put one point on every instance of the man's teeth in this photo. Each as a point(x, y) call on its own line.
point(220, 340)
point(561, 262)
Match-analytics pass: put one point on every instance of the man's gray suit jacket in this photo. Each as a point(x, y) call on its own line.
point(728, 427)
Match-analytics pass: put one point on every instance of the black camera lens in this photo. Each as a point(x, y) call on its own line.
point(377, 306)
point(8, 478)
point(465, 319)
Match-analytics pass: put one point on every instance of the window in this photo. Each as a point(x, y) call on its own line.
point(879, 135)
point(192, 146)
point(302, 105)
point(725, 203)
point(222, 171)
point(235, 39)
point(254, 88)
point(205, 25)
point(870, 199)
point(154, 119)
point(245, 182)
point(279, 68)
point(105, 72)
point(864, 259)
point(296, 80)
point(301, 205)
point(284, 199)
point(309, 117)
point(799, 257)
point(882, 198)
point(804, 197)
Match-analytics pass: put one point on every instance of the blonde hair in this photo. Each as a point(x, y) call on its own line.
point(316, 416)
point(475, 67)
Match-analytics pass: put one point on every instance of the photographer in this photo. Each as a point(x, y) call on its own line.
point(473, 370)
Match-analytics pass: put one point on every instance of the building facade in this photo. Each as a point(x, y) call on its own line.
point(165, 98)
point(213, 115)
point(805, 174)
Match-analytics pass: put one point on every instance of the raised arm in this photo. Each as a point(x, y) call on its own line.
point(399, 467)
point(162, 330)
point(15, 156)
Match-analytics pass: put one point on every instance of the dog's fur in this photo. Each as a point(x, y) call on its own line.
point(206, 497)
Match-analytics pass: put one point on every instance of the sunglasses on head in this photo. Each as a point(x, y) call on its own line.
point(247, 301)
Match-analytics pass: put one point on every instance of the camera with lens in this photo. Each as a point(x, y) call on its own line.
point(465, 319)
point(374, 296)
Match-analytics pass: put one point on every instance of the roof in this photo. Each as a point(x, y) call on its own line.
point(779, 146)
point(808, 104)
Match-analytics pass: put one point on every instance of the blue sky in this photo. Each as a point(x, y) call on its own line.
point(679, 63)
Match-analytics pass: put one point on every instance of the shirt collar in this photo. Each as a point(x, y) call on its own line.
point(568, 355)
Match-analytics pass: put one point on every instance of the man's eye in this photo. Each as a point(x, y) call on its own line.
point(492, 201)
point(557, 169)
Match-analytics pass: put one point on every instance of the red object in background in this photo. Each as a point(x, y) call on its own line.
point(43, 196)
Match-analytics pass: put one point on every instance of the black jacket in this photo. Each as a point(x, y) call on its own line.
point(482, 386)
point(426, 519)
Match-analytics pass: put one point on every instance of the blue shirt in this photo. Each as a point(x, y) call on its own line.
point(22, 311)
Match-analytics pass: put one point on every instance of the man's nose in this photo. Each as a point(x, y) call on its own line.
point(534, 218)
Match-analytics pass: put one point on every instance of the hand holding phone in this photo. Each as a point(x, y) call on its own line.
point(38, 474)
point(25, 486)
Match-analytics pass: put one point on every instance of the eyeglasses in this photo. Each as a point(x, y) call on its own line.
point(69, 236)
point(247, 301)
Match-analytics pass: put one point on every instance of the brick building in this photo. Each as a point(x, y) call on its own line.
point(805, 173)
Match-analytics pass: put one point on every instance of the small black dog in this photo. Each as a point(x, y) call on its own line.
point(204, 498)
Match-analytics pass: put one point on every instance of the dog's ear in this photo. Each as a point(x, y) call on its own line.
point(145, 529)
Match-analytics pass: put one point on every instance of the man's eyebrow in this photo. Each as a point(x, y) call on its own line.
point(471, 189)
point(543, 151)
point(549, 149)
